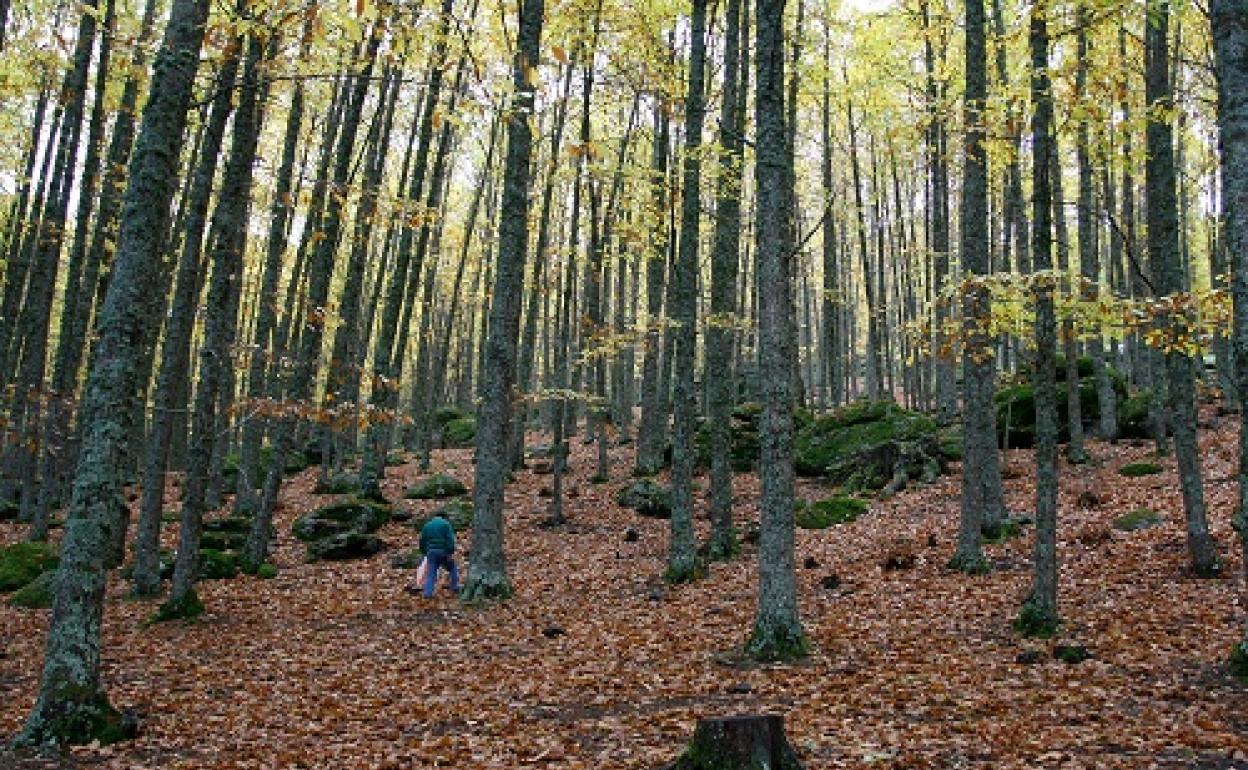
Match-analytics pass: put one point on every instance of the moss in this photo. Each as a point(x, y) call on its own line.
point(1004, 531)
point(446, 414)
point(1239, 660)
point(82, 718)
point(343, 546)
point(21, 563)
point(1140, 518)
point(460, 432)
point(458, 512)
point(743, 443)
point(1136, 470)
point(822, 514)
point(970, 565)
point(437, 487)
point(861, 446)
point(1071, 654)
point(217, 565)
point(1035, 622)
point(482, 589)
point(341, 484)
point(351, 514)
point(395, 459)
point(777, 645)
point(952, 442)
point(186, 608)
point(1133, 416)
point(37, 594)
point(724, 545)
point(647, 497)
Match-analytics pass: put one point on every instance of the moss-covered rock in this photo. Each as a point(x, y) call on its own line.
point(822, 514)
point(870, 445)
point(348, 545)
point(295, 462)
point(217, 565)
point(459, 513)
point(21, 563)
point(1016, 404)
point(37, 594)
point(338, 484)
point(743, 446)
point(350, 515)
point(9, 510)
point(1239, 660)
point(1071, 654)
point(648, 498)
point(266, 571)
point(1034, 622)
point(1136, 470)
point(225, 534)
point(1140, 518)
point(461, 432)
point(437, 487)
point(1133, 416)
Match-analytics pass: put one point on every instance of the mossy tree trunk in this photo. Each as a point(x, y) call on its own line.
point(682, 551)
point(721, 326)
point(71, 705)
point(777, 633)
point(1040, 609)
point(1230, 36)
point(739, 743)
point(1164, 253)
point(487, 578)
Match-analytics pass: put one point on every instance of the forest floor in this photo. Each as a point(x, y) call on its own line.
point(335, 665)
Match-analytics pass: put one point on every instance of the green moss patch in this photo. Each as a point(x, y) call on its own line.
point(349, 515)
point(21, 563)
point(868, 446)
point(217, 565)
point(1140, 518)
point(37, 594)
point(822, 514)
point(340, 484)
point(460, 432)
point(1034, 622)
point(348, 545)
point(437, 487)
point(1136, 470)
point(648, 498)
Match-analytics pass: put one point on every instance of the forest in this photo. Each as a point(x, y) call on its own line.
point(791, 384)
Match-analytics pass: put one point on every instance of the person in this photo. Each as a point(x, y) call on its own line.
point(437, 543)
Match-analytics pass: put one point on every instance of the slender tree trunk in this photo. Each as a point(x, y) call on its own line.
point(1075, 452)
point(652, 431)
point(1164, 253)
point(71, 705)
point(1039, 614)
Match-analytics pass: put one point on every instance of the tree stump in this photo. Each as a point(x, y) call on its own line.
point(746, 742)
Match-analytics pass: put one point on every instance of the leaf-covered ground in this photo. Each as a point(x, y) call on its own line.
point(596, 664)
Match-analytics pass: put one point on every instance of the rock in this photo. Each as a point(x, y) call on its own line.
point(217, 565)
point(1071, 654)
point(350, 515)
point(931, 540)
point(9, 510)
point(348, 545)
point(551, 632)
point(458, 512)
point(741, 688)
point(37, 594)
point(461, 432)
point(826, 513)
point(648, 498)
point(546, 492)
point(543, 468)
point(870, 445)
point(811, 563)
point(1028, 657)
point(1136, 470)
point(401, 515)
point(900, 556)
point(341, 484)
point(631, 535)
point(407, 559)
point(21, 563)
point(1016, 404)
point(437, 487)
point(1088, 498)
point(1139, 519)
point(831, 582)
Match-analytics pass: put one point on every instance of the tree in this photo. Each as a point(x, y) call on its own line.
point(1161, 206)
point(777, 633)
point(72, 706)
point(488, 579)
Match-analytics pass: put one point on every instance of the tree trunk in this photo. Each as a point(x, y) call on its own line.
point(1164, 252)
point(488, 576)
point(72, 707)
point(745, 742)
point(652, 431)
point(777, 633)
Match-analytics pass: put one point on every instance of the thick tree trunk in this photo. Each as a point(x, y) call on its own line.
point(488, 576)
point(777, 633)
point(1230, 37)
point(739, 743)
point(71, 706)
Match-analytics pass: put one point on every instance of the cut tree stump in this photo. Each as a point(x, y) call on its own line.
point(746, 742)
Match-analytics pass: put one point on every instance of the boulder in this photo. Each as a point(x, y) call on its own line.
point(350, 515)
point(21, 563)
point(458, 512)
point(1016, 404)
point(870, 445)
point(822, 514)
point(437, 487)
point(648, 498)
point(347, 545)
point(459, 433)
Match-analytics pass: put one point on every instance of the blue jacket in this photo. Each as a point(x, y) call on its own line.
point(437, 535)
